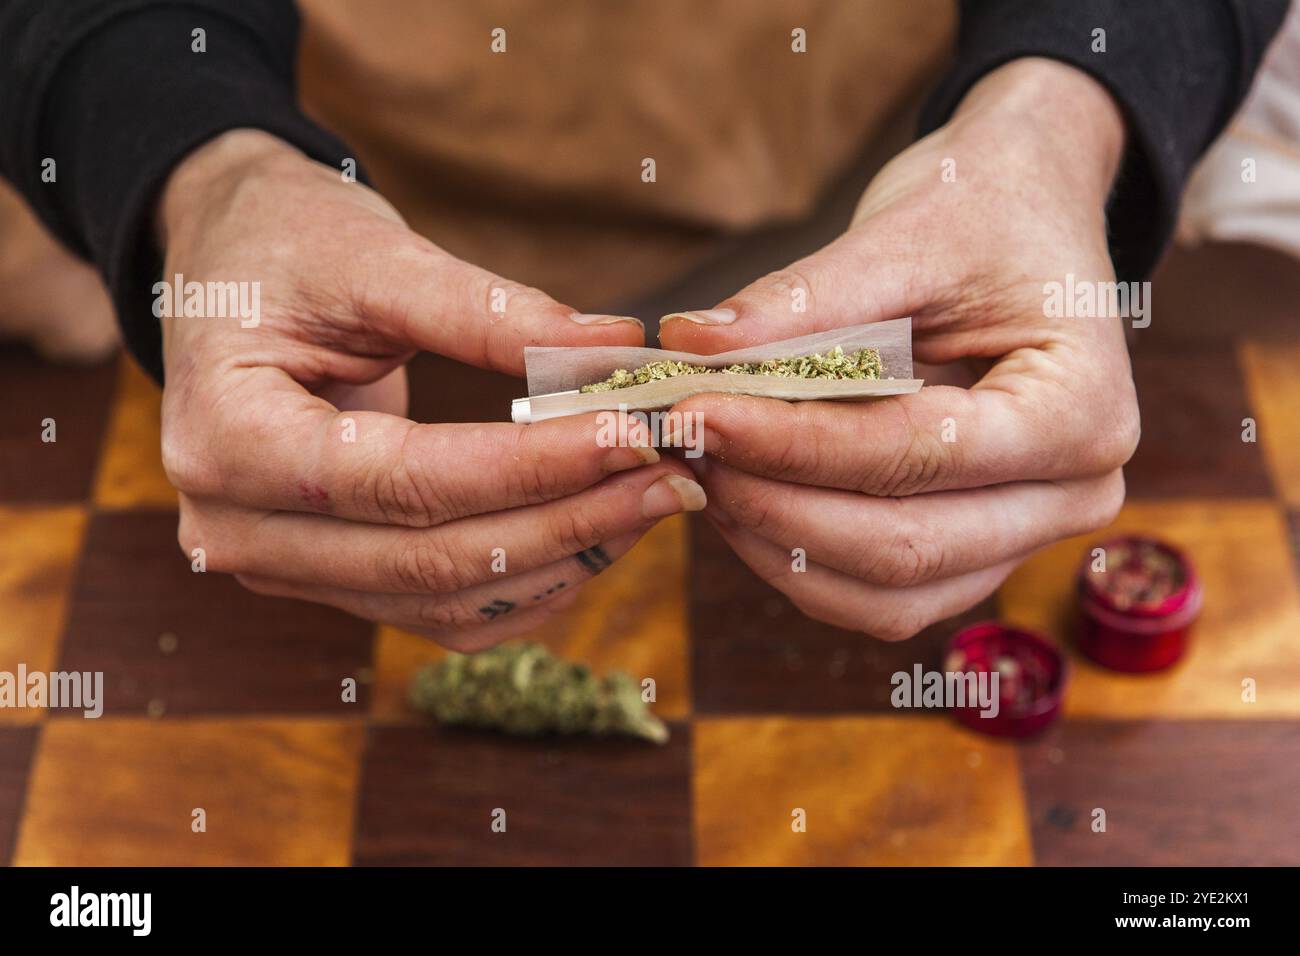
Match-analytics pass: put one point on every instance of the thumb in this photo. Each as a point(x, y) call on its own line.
point(437, 303)
point(839, 285)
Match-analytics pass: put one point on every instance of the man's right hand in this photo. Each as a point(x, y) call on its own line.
point(296, 467)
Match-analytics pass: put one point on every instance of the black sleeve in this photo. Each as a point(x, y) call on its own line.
point(1178, 68)
point(115, 93)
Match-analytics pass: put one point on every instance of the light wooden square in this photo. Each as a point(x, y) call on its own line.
point(1249, 626)
point(122, 792)
point(878, 791)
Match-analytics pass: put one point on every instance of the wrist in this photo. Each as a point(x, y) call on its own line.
point(1051, 114)
point(211, 172)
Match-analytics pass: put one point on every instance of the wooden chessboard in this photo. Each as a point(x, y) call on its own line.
point(221, 699)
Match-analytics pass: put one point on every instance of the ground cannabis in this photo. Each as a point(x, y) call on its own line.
point(862, 364)
point(1141, 575)
point(522, 688)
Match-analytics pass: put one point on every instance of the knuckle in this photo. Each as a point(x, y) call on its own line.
point(1112, 444)
point(182, 467)
point(534, 480)
point(401, 497)
point(784, 285)
point(574, 530)
point(187, 531)
point(911, 558)
point(220, 550)
point(197, 446)
point(425, 568)
point(913, 469)
point(1107, 503)
point(794, 457)
point(446, 614)
point(513, 296)
point(758, 510)
point(1125, 435)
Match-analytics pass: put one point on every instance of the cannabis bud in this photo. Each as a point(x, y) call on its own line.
point(522, 688)
point(862, 364)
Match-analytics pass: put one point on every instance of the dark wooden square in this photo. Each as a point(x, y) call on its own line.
point(428, 795)
point(1176, 793)
point(443, 390)
point(1212, 292)
point(17, 745)
point(233, 652)
point(78, 399)
point(754, 652)
point(1193, 402)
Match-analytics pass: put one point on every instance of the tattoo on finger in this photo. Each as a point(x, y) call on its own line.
point(594, 559)
point(496, 609)
point(549, 591)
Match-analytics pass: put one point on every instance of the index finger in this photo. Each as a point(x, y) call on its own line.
point(940, 438)
point(287, 450)
point(435, 302)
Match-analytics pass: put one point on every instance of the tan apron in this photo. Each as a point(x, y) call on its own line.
point(532, 162)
